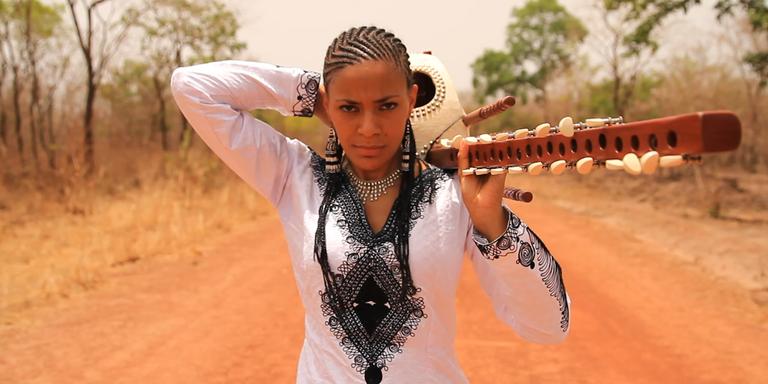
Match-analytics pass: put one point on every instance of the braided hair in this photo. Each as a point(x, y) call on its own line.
point(352, 47)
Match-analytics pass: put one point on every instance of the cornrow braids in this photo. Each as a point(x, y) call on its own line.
point(360, 44)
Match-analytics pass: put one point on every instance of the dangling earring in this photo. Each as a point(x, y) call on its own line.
point(331, 148)
point(406, 165)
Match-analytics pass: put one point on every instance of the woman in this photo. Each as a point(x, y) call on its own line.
point(376, 236)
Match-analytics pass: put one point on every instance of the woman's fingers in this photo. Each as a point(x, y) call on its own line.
point(463, 158)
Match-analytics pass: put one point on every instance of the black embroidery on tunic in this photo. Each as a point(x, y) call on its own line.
point(374, 319)
point(307, 89)
point(529, 254)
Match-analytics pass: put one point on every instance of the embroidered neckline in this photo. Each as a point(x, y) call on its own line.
point(374, 318)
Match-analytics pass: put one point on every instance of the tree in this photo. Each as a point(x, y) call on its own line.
point(183, 32)
point(541, 41)
point(39, 23)
point(650, 14)
point(626, 60)
point(97, 51)
point(129, 91)
point(12, 52)
point(743, 42)
point(3, 71)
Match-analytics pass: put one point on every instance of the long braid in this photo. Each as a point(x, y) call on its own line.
point(402, 222)
point(321, 253)
point(349, 48)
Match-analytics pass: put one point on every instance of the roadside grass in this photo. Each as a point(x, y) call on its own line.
point(59, 239)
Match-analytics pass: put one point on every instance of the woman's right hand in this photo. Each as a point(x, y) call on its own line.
point(320, 111)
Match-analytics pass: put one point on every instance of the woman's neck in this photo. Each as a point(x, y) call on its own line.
point(378, 173)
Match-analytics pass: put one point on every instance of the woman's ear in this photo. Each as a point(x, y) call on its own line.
point(413, 93)
point(321, 106)
point(323, 96)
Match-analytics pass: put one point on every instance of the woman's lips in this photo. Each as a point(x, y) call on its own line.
point(369, 150)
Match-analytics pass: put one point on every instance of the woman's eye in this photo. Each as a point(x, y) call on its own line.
point(388, 106)
point(348, 108)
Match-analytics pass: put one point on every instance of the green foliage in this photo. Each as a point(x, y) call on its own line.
point(758, 62)
point(185, 32)
point(45, 19)
point(600, 101)
point(653, 12)
point(131, 82)
point(541, 41)
point(757, 11)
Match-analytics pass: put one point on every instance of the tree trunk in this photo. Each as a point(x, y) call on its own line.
point(3, 132)
point(545, 103)
point(17, 112)
point(88, 140)
point(51, 137)
point(3, 123)
point(617, 108)
point(185, 137)
point(161, 111)
point(33, 137)
point(33, 92)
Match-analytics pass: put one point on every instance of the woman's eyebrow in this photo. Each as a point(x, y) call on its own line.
point(383, 99)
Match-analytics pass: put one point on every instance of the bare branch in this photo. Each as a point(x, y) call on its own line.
point(86, 48)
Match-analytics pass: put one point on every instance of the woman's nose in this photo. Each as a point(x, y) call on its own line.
point(369, 126)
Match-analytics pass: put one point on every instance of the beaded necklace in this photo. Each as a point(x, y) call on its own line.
point(371, 190)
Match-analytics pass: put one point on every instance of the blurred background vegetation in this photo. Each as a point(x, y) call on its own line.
point(94, 153)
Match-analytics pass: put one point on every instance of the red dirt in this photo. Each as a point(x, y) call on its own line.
point(231, 314)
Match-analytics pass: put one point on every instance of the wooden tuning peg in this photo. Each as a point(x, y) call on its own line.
point(515, 170)
point(502, 136)
point(594, 123)
point(649, 162)
point(485, 138)
point(498, 171)
point(446, 143)
point(456, 142)
point(521, 133)
point(584, 165)
point(482, 171)
point(632, 164)
point(614, 165)
point(471, 140)
point(557, 167)
point(566, 126)
point(542, 130)
point(671, 161)
point(535, 168)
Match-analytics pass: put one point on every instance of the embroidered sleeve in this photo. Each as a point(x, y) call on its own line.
point(524, 281)
point(309, 83)
point(216, 97)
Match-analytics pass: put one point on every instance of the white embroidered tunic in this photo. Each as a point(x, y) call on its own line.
point(413, 340)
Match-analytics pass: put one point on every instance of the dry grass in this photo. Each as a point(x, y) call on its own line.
point(60, 239)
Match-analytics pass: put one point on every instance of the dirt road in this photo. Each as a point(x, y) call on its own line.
point(231, 314)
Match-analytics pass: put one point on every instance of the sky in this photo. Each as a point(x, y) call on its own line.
point(296, 33)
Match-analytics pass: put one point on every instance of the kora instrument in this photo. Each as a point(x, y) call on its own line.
point(440, 125)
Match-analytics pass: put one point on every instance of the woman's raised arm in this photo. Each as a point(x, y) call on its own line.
point(215, 98)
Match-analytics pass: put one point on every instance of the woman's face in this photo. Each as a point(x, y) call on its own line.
point(368, 104)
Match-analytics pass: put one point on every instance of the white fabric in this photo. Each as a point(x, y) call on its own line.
point(214, 97)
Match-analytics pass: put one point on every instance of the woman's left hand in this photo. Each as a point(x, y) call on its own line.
point(482, 196)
